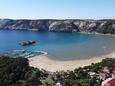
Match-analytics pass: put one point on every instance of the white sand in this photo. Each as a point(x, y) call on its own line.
point(43, 62)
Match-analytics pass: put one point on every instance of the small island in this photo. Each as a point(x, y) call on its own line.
point(26, 43)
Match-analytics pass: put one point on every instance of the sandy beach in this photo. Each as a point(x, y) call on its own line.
point(43, 62)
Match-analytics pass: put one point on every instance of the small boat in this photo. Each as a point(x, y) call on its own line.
point(26, 43)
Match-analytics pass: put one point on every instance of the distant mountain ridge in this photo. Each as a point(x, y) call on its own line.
point(67, 25)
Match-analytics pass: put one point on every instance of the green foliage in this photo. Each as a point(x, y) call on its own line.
point(107, 27)
point(107, 30)
point(85, 82)
point(108, 62)
point(16, 71)
point(12, 70)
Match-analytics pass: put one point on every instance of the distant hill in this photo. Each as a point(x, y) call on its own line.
point(67, 25)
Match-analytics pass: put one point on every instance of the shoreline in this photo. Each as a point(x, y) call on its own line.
point(43, 62)
point(97, 33)
point(51, 65)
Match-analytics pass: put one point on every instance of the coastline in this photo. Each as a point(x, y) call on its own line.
point(97, 33)
point(43, 62)
point(51, 65)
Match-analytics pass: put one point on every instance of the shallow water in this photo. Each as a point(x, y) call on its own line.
point(59, 45)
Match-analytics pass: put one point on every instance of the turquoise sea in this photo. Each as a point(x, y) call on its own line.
point(58, 45)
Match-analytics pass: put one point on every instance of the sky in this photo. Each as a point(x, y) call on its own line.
point(57, 9)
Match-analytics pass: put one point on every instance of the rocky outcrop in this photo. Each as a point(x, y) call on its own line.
point(66, 26)
point(58, 25)
point(24, 24)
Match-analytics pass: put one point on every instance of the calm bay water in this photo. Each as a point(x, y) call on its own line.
point(59, 45)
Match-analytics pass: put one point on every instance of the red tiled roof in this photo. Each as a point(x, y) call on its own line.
point(110, 82)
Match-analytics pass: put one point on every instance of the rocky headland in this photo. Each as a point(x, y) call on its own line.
point(69, 25)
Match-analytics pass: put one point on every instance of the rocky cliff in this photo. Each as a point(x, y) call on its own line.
point(105, 26)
